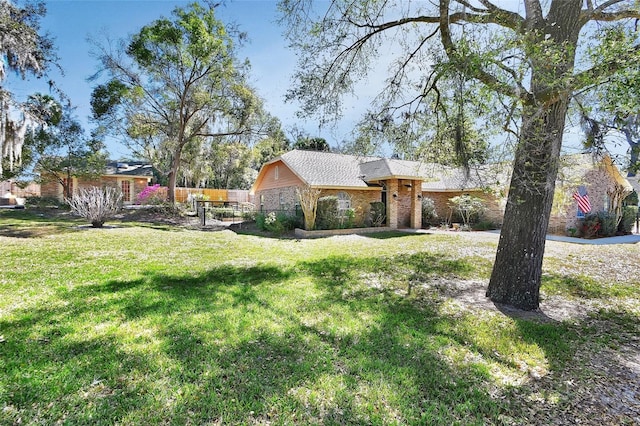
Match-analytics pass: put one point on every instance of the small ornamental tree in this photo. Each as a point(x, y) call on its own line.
point(96, 204)
point(309, 203)
point(468, 207)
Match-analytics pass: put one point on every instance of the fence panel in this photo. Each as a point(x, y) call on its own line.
point(211, 194)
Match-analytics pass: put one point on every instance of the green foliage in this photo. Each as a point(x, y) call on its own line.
point(177, 91)
point(327, 215)
point(277, 223)
point(44, 202)
point(312, 144)
point(429, 215)
point(60, 150)
point(105, 98)
point(600, 224)
point(378, 213)
point(631, 200)
point(484, 225)
point(469, 208)
point(629, 215)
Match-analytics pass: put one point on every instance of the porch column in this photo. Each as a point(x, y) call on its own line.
point(392, 203)
point(416, 204)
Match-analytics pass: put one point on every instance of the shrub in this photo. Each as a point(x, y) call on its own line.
point(629, 215)
point(96, 204)
point(589, 226)
point(429, 215)
point(378, 213)
point(469, 208)
point(348, 219)
point(277, 223)
point(327, 216)
point(273, 224)
point(608, 224)
point(484, 225)
point(152, 195)
point(601, 224)
point(260, 218)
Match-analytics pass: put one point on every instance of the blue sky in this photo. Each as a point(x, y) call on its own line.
point(71, 22)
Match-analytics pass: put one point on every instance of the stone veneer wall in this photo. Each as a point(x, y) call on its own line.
point(269, 199)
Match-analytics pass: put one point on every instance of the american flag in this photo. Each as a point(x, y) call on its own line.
point(582, 198)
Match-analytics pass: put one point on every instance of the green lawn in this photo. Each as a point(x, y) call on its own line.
point(159, 325)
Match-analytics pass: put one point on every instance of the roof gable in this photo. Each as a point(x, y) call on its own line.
point(326, 169)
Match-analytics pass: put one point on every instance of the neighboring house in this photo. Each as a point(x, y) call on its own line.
point(130, 177)
point(401, 185)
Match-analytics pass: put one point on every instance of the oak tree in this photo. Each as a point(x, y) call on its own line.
point(525, 54)
point(172, 86)
point(25, 51)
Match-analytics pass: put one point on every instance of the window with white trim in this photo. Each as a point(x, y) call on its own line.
point(344, 202)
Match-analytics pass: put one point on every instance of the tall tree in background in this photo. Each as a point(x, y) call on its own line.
point(176, 83)
point(23, 51)
point(59, 149)
point(614, 107)
point(524, 57)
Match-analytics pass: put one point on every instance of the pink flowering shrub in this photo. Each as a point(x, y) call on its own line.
point(154, 194)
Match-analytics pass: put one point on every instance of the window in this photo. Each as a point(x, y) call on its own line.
point(261, 202)
point(281, 201)
point(276, 173)
point(344, 202)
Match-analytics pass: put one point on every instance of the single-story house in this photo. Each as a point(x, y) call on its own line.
point(401, 185)
point(131, 177)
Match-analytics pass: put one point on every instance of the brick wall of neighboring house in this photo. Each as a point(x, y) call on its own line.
point(51, 188)
point(494, 205)
point(598, 182)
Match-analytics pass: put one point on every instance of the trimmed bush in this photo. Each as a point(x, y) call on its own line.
point(429, 215)
point(327, 216)
point(601, 224)
point(629, 214)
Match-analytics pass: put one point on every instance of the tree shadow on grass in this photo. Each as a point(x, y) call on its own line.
point(314, 343)
point(34, 224)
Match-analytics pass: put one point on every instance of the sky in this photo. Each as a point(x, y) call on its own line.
point(72, 22)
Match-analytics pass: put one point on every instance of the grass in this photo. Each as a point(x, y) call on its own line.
point(153, 325)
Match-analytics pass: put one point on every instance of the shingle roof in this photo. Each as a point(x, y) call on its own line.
point(326, 169)
point(385, 168)
point(444, 178)
point(129, 168)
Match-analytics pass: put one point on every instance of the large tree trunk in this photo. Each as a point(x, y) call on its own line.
point(517, 271)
